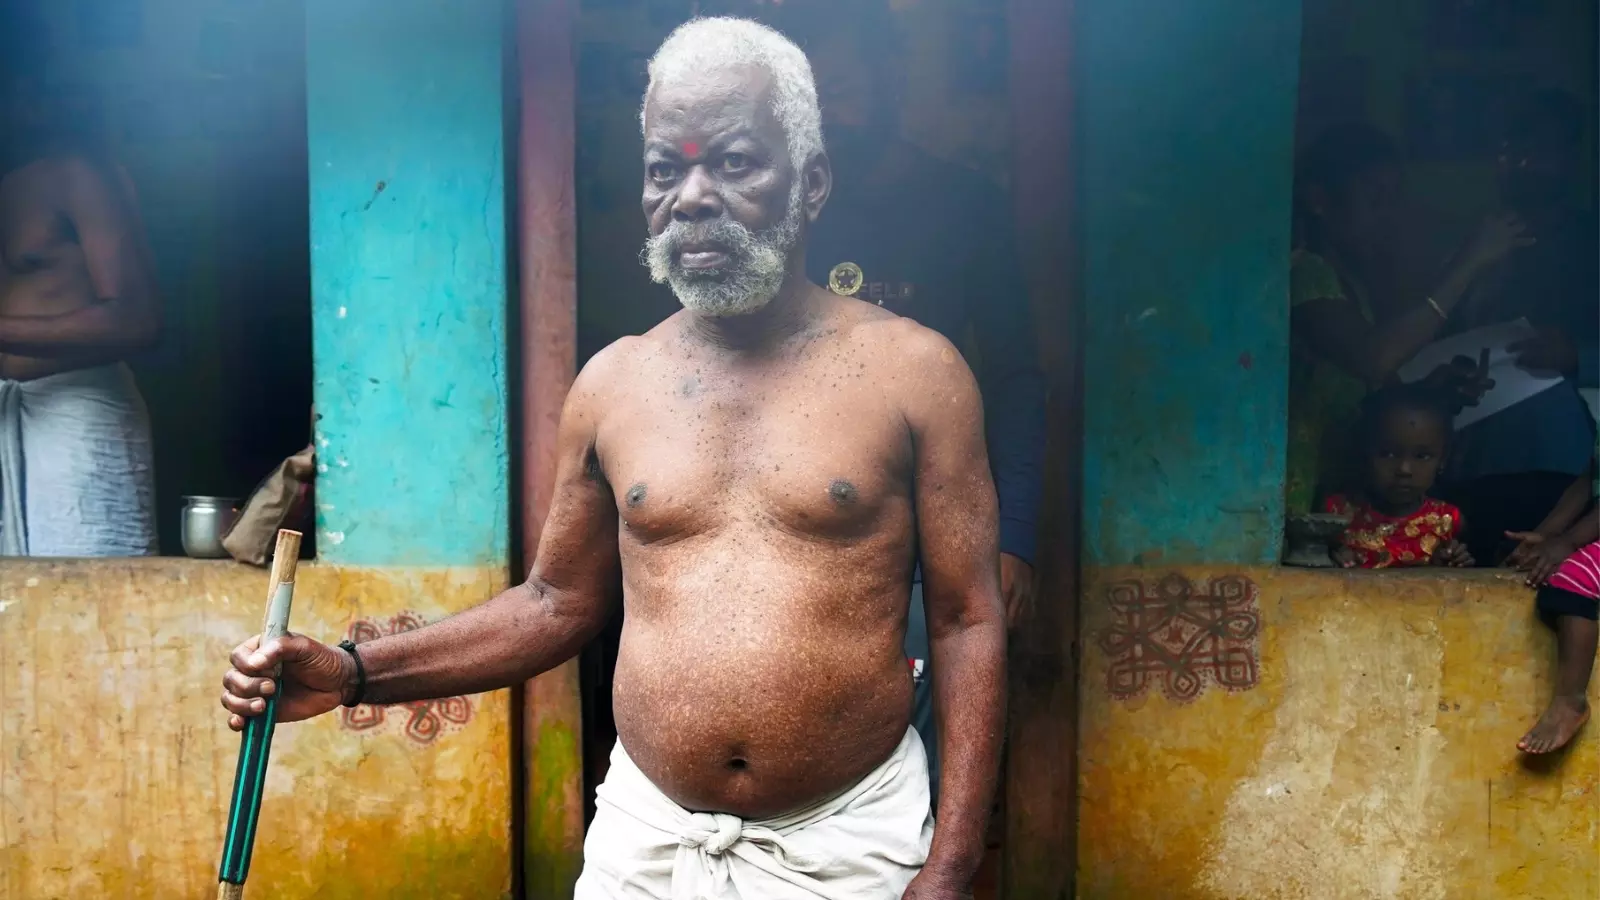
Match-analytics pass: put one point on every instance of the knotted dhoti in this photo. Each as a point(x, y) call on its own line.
point(866, 843)
point(76, 472)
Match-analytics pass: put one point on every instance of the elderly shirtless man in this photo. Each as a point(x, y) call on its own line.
point(77, 296)
point(768, 466)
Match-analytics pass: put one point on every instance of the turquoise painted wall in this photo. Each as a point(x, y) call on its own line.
point(1187, 131)
point(408, 257)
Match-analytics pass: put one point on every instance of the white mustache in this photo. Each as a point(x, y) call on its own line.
point(756, 267)
point(730, 237)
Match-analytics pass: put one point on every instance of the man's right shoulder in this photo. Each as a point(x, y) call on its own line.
point(597, 386)
point(607, 366)
point(620, 362)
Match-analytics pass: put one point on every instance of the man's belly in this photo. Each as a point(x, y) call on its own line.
point(757, 710)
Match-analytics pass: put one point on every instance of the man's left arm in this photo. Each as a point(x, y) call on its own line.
point(126, 313)
point(957, 533)
point(1013, 396)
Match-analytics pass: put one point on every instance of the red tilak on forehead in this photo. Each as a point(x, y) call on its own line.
point(691, 149)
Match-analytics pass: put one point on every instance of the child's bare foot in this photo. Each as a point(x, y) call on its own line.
point(1558, 725)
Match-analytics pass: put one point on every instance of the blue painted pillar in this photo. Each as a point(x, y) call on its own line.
point(1187, 136)
point(408, 258)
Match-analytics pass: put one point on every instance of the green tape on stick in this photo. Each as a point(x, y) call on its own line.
point(255, 747)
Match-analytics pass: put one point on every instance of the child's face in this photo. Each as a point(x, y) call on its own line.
point(1404, 458)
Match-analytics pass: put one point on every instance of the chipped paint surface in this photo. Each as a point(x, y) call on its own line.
point(1375, 758)
point(116, 763)
point(1183, 447)
point(408, 287)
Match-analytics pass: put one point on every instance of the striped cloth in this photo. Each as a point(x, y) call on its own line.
point(1580, 574)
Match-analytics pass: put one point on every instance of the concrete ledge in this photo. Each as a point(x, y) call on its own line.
point(116, 763)
point(1280, 733)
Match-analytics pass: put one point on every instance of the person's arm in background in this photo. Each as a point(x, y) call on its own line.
point(1541, 556)
point(1556, 350)
point(1562, 532)
point(1332, 325)
point(1574, 500)
point(1013, 388)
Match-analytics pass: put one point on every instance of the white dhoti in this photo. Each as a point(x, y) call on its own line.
point(77, 476)
point(866, 843)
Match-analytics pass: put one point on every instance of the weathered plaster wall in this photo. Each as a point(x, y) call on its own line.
point(408, 251)
point(116, 764)
point(1187, 139)
point(1262, 734)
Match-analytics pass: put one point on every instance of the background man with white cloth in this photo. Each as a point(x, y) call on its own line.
point(767, 466)
point(77, 297)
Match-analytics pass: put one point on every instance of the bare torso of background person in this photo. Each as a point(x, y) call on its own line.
point(76, 469)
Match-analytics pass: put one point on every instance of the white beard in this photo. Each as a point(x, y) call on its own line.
point(758, 262)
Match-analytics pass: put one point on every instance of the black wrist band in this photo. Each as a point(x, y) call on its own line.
point(349, 647)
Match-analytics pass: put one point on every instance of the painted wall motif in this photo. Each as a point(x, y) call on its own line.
point(1374, 758)
point(116, 762)
point(1168, 631)
point(422, 721)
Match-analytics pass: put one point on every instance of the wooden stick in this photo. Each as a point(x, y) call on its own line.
point(256, 744)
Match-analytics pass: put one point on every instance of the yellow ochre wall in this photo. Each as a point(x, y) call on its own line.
point(116, 764)
point(1356, 740)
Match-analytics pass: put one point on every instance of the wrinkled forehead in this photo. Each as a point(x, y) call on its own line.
point(697, 106)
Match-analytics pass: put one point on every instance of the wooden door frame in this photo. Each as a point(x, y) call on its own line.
point(1041, 790)
point(549, 828)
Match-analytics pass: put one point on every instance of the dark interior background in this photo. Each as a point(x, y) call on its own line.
point(204, 103)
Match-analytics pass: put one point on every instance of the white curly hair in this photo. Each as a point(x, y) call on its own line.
point(719, 42)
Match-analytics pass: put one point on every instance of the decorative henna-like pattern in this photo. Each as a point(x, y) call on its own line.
point(1167, 631)
point(425, 720)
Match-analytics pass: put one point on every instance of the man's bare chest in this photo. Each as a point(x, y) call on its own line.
point(34, 232)
point(34, 240)
point(827, 463)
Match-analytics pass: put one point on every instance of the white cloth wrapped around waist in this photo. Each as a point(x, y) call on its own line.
point(77, 476)
point(865, 843)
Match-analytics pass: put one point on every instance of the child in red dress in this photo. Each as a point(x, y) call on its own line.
point(1405, 433)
